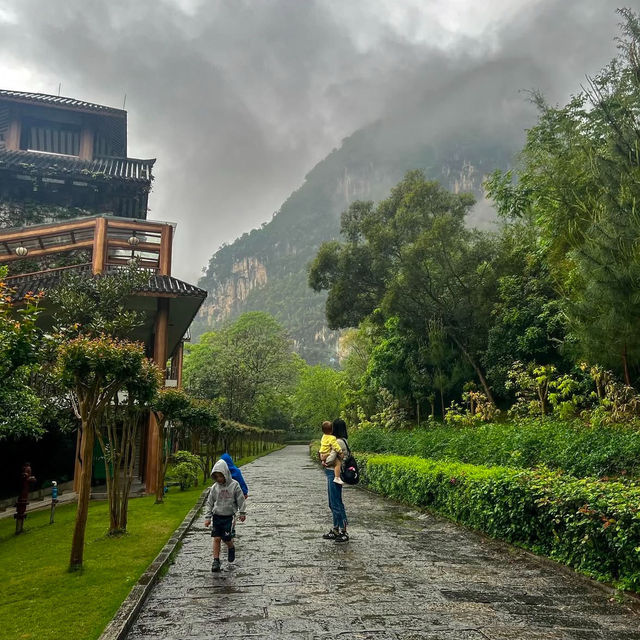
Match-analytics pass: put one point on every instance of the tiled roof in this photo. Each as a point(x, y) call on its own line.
point(123, 168)
point(59, 101)
point(157, 284)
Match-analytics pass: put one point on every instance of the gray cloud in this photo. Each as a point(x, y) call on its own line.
point(238, 99)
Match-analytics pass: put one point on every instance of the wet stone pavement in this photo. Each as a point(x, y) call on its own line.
point(404, 575)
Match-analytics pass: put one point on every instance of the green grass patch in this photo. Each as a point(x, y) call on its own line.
point(41, 600)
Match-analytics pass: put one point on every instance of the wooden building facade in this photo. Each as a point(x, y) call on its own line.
point(61, 152)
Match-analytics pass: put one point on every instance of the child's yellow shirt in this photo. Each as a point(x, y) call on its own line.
point(329, 442)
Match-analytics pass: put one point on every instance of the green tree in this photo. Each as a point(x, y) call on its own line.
point(94, 370)
point(319, 396)
point(528, 324)
point(168, 407)
point(413, 257)
point(117, 434)
point(99, 304)
point(20, 342)
point(200, 420)
point(579, 181)
point(241, 364)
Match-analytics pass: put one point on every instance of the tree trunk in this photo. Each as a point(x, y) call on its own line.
point(160, 458)
point(84, 493)
point(476, 368)
point(625, 365)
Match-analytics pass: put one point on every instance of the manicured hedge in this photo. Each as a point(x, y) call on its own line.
point(588, 524)
point(574, 447)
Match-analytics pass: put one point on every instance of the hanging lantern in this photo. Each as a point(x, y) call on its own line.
point(21, 251)
point(133, 241)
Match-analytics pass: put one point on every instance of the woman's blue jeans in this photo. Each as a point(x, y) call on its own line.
point(335, 501)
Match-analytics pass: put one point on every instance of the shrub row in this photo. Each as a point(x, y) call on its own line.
point(590, 525)
point(574, 447)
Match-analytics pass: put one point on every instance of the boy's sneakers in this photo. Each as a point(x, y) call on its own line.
point(331, 535)
point(231, 554)
point(338, 480)
point(216, 565)
point(342, 536)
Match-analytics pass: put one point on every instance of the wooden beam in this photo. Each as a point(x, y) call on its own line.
point(145, 264)
point(47, 230)
point(166, 242)
point(143, 246)
point(38, 253)
point(47, 272)
point(138, 225)
point(99, 246)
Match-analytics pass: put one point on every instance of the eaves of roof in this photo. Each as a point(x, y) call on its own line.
point(60, 102)
point(157, 285)
point(131, 169)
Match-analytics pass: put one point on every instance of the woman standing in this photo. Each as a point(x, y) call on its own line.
point(339, 530)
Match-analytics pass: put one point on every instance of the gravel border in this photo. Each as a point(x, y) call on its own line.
point(121, 622)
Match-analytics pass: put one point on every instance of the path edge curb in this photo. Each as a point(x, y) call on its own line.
point(124, 617)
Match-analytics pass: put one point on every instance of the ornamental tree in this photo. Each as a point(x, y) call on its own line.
point(93, 371)
point(118, 434)
point(168, 406)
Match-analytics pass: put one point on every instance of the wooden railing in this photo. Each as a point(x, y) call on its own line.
point(112, 242)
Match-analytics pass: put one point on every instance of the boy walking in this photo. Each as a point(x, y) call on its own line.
point(224, 499)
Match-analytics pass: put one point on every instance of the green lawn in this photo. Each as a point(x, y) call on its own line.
point(41, 600)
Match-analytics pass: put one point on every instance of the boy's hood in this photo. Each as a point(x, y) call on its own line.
point(228, 459)
point(221, 467)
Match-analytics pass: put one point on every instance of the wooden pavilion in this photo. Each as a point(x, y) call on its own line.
point(59, 153)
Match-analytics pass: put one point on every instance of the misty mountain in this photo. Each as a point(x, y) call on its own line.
point(457, 141)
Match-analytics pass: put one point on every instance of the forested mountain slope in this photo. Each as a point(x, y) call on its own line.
point(266, 269)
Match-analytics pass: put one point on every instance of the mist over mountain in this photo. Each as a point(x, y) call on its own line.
point(454, 135)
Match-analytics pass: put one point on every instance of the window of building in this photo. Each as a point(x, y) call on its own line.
point(50, 137)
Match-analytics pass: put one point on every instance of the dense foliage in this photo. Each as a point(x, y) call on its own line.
point(512, 314)
point(20, 407)
point(524, 443)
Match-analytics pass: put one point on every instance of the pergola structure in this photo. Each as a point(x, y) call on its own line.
point(110, 242)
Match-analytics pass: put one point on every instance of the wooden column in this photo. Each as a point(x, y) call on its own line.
point(160, 345)
point(99, 246)
point(179, 357)
point(86, 144)
point(14, 131)
point(166, 247)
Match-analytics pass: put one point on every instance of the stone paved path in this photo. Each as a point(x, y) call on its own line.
point(403, 576)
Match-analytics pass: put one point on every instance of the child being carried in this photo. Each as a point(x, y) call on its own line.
point(330, 451)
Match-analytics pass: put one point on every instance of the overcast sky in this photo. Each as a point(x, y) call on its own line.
point(239, 99)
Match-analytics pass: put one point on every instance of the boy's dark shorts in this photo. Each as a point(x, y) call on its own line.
point(221, 527)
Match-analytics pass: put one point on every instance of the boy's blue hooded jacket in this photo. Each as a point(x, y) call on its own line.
point(236, 474)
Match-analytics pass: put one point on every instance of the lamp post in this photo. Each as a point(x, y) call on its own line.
point(133, 242)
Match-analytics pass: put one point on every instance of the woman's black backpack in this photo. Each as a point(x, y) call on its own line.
point(349, 472)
